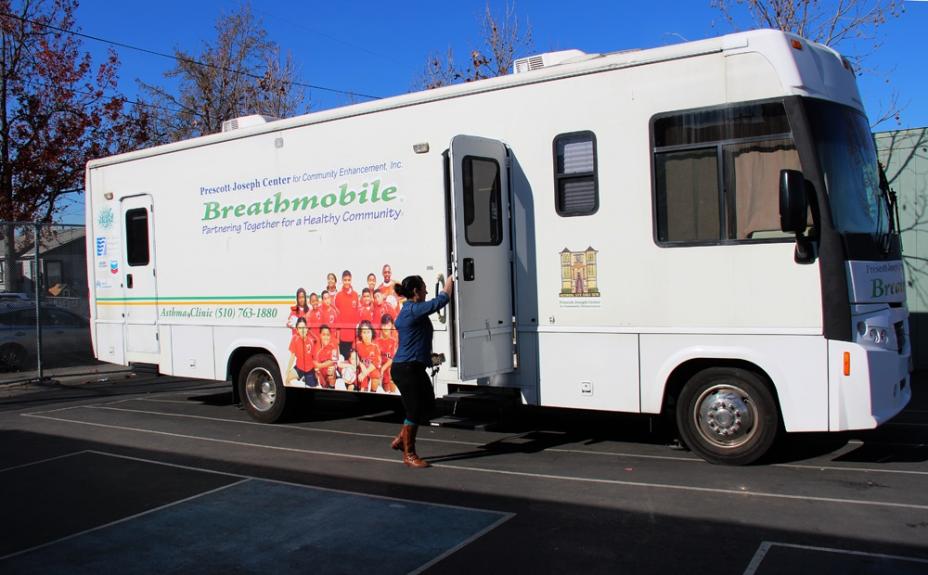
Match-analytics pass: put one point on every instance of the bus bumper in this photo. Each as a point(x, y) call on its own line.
point(867, 386)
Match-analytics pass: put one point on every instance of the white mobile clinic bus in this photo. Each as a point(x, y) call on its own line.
point(697, 229)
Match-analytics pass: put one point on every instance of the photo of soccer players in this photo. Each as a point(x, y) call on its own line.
point(343, 339)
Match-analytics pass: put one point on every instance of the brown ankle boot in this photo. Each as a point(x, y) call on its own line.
point(409, 448)
point(397, 442)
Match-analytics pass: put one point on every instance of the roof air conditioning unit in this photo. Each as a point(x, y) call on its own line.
point(539, 61)
point(246, 122)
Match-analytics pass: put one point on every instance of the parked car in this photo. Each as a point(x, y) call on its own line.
point(65, 337)
point(13, 297)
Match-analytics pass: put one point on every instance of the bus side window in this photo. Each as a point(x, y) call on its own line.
point(716, 172)
point(576, 187)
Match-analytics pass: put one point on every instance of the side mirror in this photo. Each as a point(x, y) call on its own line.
point(794, 204)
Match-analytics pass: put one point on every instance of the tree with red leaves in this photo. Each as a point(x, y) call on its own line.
point(57, 111)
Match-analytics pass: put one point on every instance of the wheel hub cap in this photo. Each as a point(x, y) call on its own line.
point(259, 387)
point(725, 416)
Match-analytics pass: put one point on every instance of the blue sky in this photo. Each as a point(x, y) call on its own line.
point(380, 48)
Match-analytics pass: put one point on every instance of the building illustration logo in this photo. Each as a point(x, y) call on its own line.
point(578, 273)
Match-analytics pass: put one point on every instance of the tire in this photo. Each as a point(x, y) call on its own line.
point(13, 356)
point(727, 416)
point(261, 389)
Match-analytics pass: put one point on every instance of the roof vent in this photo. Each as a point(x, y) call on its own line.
point(246, 122)
point(546, 60)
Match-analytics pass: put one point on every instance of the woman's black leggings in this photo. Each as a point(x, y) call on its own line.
point(415, 389)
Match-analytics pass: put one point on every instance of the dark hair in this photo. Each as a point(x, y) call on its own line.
point(346, 274)
point(386, 319)
point(366, 324)
point(408, 288)
point(324, 327)
point(305, 307)
point(366, 291)
point(301, 319)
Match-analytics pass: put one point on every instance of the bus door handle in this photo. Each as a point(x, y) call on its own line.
point(129, 281)
point(468, 269)
point(439, 287)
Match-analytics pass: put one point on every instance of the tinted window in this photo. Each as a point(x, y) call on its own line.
point(137, 237)
point(688, 196)
point(719, 124)
point(482, 202)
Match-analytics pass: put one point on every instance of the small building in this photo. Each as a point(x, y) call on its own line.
point(63, 258)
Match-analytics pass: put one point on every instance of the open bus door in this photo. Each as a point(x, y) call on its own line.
point(481, 257)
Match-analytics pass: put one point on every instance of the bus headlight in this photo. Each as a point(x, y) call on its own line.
point(872, 333)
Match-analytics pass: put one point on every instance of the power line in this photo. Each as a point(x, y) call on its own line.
point(173, 57)
point(122, 97)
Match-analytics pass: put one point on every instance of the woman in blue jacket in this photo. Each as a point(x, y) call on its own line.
point(413, 356)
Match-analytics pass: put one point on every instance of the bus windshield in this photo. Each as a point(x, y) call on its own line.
point(848, 160)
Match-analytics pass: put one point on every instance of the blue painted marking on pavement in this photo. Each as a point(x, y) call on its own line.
point(266, 527)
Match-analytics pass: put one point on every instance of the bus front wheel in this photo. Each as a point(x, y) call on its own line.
point(261, 389)
point(727, 416)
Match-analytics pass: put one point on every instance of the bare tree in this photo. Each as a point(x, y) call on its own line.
point(242, 72)
point(501, 39)
point(850, 26)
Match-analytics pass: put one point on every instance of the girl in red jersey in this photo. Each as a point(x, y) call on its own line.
point(368, 358)
point(299, 310)
point(387, 342)
point(326, 358)
point(301, 366)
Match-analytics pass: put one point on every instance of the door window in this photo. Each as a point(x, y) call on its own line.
point(137, 237)
point(483, 225)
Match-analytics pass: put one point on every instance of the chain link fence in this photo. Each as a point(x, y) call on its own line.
point(44, 305)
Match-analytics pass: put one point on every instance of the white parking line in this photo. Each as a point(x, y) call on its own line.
point(270, 425)
point(46, 460)
point(568, 478)
point(478, 444)
point(765, 546)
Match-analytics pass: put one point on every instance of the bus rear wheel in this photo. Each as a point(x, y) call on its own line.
point(727, 416)
point(261, 389)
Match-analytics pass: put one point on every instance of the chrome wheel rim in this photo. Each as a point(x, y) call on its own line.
point(260, 389)
point(726, 417)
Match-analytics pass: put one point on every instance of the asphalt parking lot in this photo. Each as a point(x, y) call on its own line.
point(117, 472)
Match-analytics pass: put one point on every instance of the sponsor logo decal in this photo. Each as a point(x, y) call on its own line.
point(105, 218)
point(101, 247)
point(114, 267)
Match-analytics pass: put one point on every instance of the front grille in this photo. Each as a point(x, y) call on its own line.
point(900, 335)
